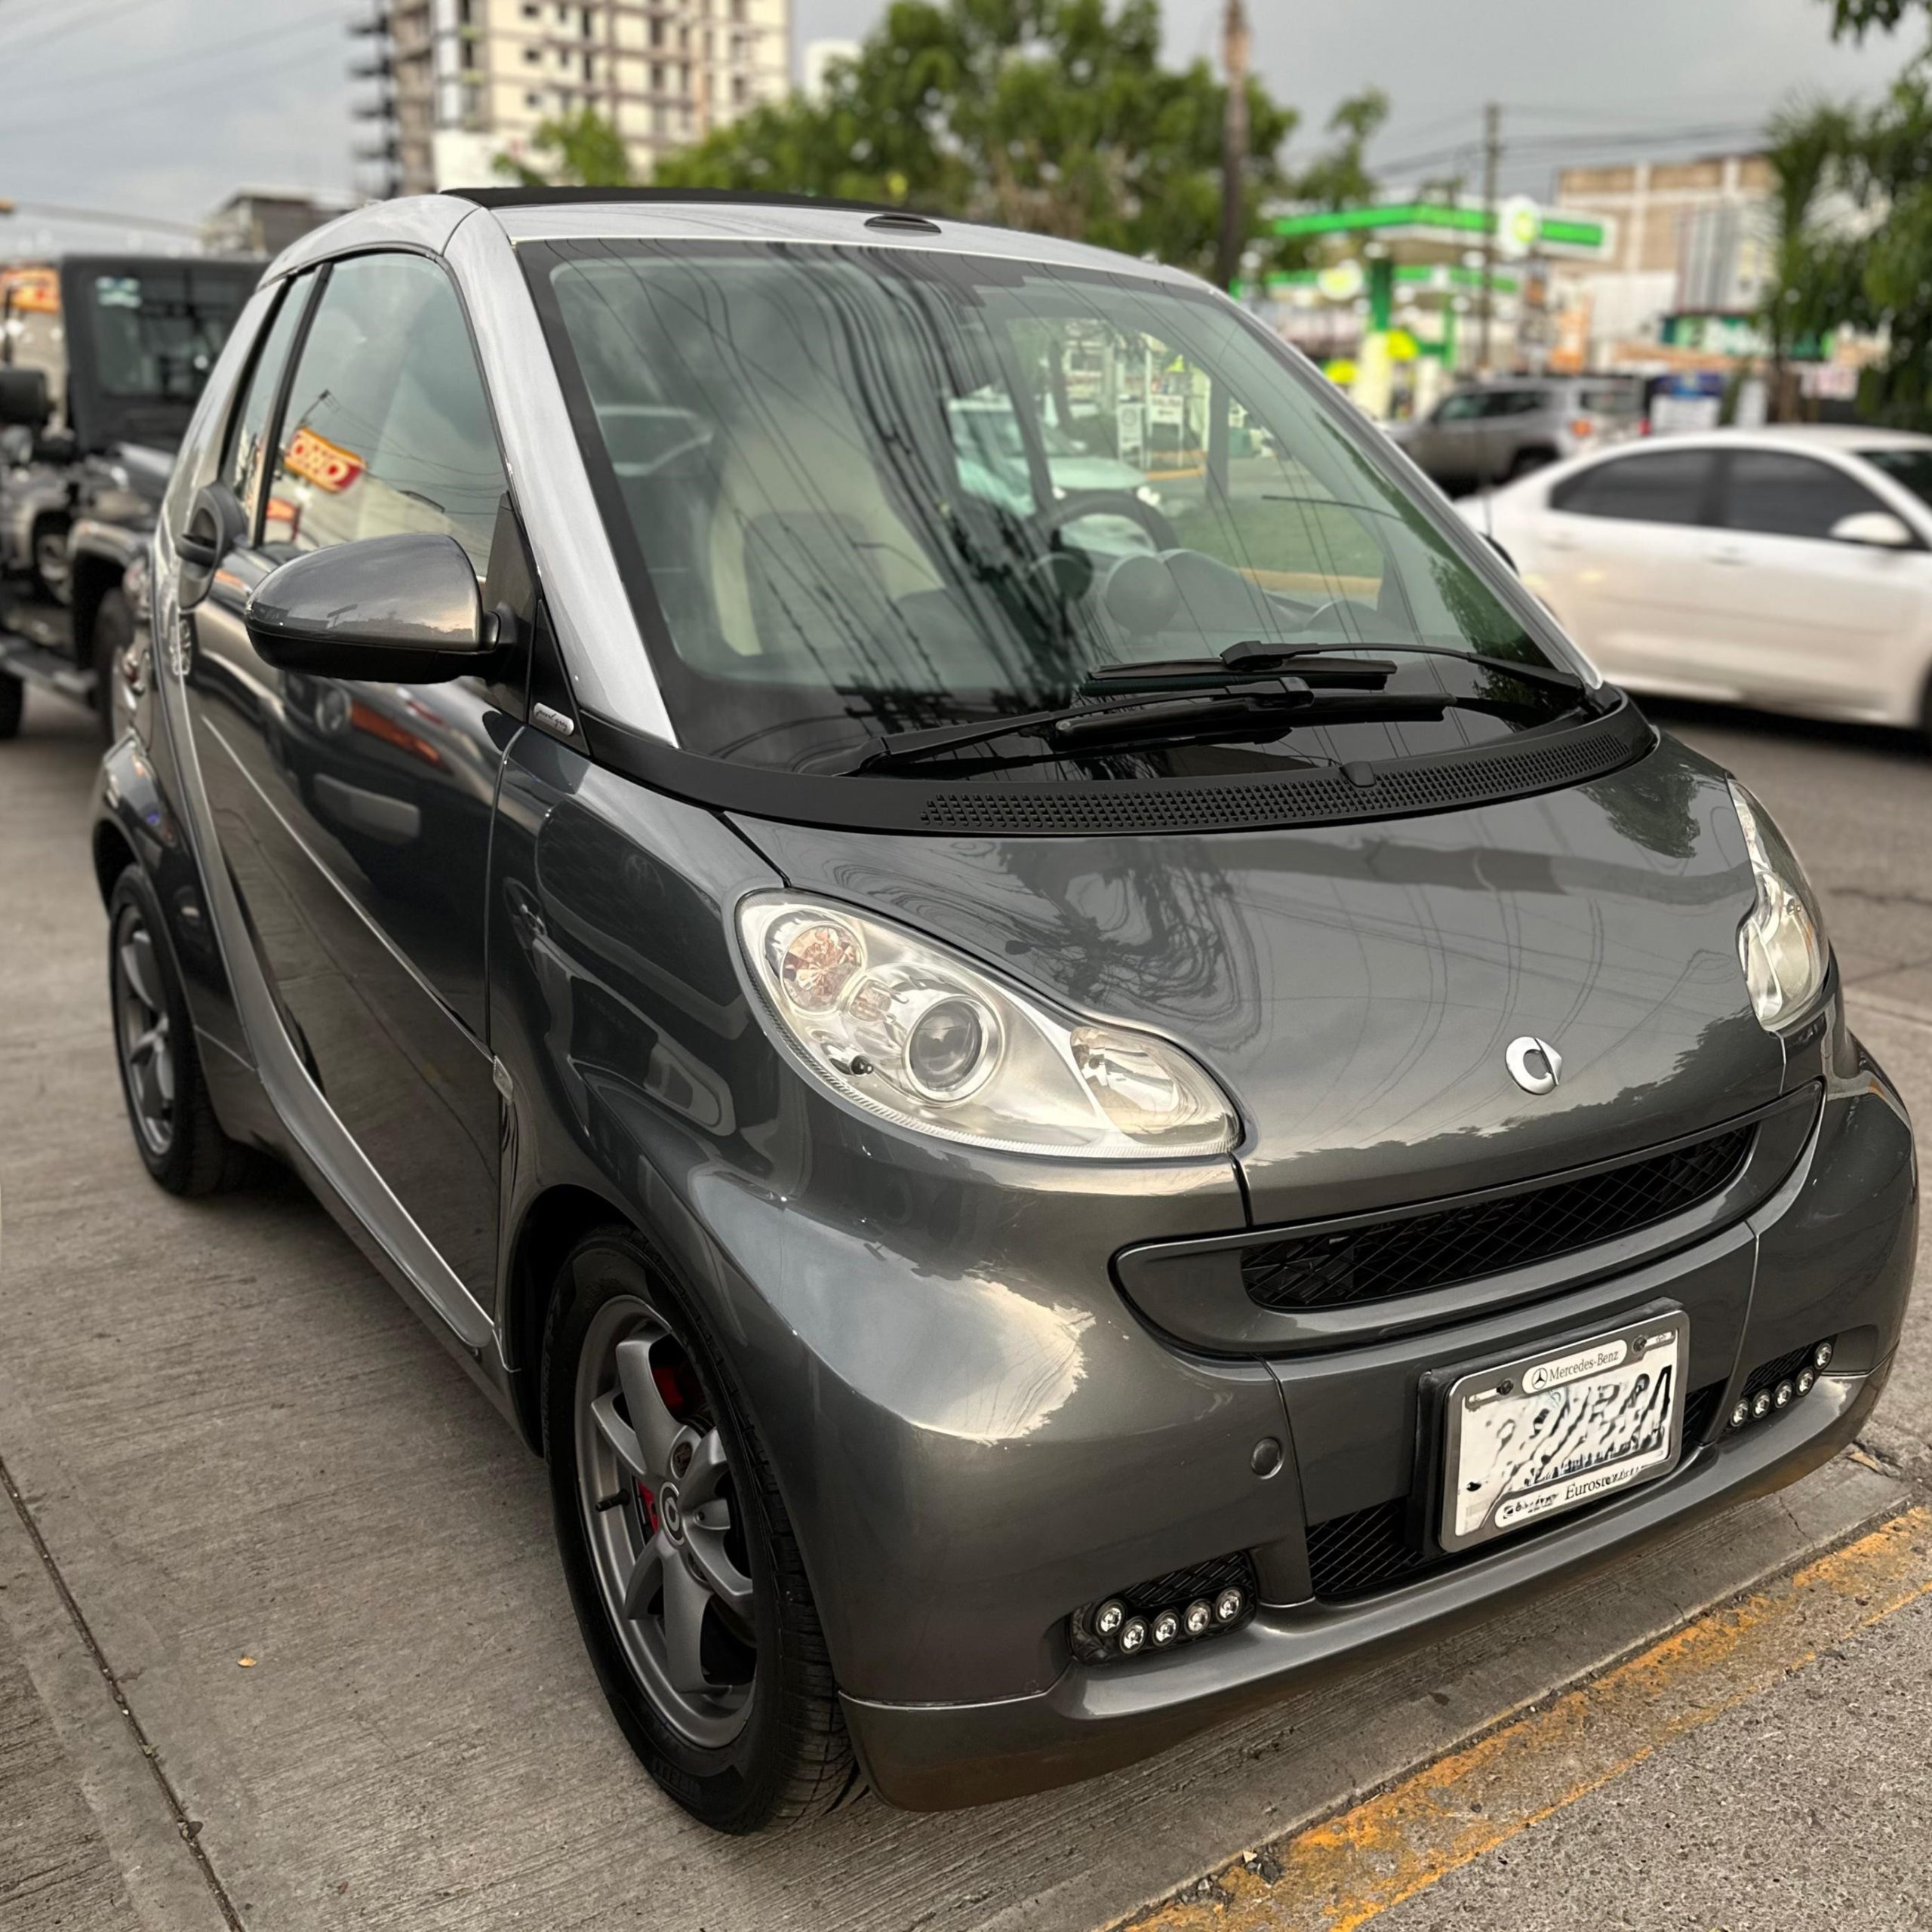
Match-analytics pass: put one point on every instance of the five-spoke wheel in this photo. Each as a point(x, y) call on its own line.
point(688, 1581)
point(665, 1531)
point(142, 1029)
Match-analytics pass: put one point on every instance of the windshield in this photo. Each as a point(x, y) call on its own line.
point(157, 334)
point(1912, 468)
point(857, 492)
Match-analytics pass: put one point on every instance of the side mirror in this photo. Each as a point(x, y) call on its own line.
point(386, 609)
point(23, 397)
point(1879, 529)
point(216, 524)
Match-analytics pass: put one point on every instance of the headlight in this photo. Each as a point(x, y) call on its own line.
point(907, 1029)
point(1782, 941)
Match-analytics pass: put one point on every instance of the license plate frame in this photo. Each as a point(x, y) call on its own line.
point(1614, 1357)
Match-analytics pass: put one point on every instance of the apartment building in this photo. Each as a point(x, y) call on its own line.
point(1691, 236)
point(456, 82)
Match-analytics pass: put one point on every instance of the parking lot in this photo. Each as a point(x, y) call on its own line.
point(283, 1641)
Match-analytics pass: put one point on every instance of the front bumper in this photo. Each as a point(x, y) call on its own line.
point(1829, 1254)
point(932, 1757)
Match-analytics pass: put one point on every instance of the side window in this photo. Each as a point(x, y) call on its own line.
point(1778, 495)
point(387, 428)
point(1661, 486)
point(1461, 406)
point(242, 464)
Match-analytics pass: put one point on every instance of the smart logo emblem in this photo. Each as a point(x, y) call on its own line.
point(1534, 1065)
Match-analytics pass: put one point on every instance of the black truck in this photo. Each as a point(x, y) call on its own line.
point(96, 389)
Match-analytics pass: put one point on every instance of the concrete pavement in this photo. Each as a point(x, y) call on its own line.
point(234, 1441)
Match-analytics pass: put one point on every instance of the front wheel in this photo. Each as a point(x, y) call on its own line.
point(176, 1132)
point(687, 1581)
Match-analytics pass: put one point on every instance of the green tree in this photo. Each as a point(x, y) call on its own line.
point(1868, 273)
point(588, 153)
point(1809, 150)
point(1053, 115)
point(1339, 177)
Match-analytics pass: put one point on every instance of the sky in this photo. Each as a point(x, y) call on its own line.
point(160, 107)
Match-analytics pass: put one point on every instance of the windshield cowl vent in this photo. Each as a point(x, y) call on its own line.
point(1447, 782)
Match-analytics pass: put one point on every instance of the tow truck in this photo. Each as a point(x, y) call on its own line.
point(102, 358)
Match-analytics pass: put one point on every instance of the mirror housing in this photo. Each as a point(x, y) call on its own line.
point(1878, 529)
point(23, 397)
point(384, 609)
point(216, 522)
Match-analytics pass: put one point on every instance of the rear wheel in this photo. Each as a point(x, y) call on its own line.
point(687, 1581)
point(113, 632)
point(13, 703)
point(178, 1139)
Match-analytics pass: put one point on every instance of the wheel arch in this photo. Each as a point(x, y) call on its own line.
point(552, 1223)
point(113, 853)
point(93, 576)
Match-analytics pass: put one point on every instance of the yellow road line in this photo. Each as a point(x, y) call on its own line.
point(1340, 1874)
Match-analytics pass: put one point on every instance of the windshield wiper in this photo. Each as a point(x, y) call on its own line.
point(910, 747)
point(1246, 683)
point(1245, 708)
point(1253, 659)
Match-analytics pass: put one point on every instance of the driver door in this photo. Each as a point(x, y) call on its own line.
point(354, 817)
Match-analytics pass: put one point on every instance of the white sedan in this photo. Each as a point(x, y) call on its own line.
point(1787, 568)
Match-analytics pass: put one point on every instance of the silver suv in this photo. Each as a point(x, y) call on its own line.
point(1489, 432)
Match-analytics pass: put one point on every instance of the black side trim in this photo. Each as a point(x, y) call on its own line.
point(1549, 759)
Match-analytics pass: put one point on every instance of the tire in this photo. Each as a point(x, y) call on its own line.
point(179, 1141)
point(53, 574)
point(13, 703)
point(754, 1739)
point(113, 632)
point(1524, 461)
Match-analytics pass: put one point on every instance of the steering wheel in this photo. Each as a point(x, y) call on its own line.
point(1077, 503)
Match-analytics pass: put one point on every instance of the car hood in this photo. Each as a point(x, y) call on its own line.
point(1093, 472)
point(1356, 987)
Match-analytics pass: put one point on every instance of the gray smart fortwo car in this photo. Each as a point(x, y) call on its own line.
point(1051, 1137)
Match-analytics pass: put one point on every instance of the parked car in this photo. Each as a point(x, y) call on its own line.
point(1488, 432)
point(1787, 568)
point(1048, 1146)
point(97, 391)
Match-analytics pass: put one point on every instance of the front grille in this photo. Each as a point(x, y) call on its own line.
point(1432, 1250)
point(1370, 1550)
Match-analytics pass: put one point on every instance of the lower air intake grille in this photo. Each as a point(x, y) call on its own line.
point(1370, 1550)
point(1433, 1251)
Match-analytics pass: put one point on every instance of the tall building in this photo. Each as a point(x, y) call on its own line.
point(1693, 238)
point(456, 82)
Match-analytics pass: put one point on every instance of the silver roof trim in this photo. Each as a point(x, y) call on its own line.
point(419, 221)
point(610, 668)
point(751, 221)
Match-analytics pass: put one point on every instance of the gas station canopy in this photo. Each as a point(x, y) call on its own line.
point(1521, 227)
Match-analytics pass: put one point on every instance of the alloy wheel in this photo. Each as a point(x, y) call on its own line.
point(143, 1033)
point(664, 1523)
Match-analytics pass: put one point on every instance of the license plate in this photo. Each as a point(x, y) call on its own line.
point(1531, 1439)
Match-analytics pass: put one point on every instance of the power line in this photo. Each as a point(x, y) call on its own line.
point(62, 211)
point(168, 96)
point(76, 20)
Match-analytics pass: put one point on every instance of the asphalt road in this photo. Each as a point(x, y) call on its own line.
point(224, 1438)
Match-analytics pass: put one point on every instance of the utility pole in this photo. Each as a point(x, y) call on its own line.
point(1492, 153)
point(1234, 145)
